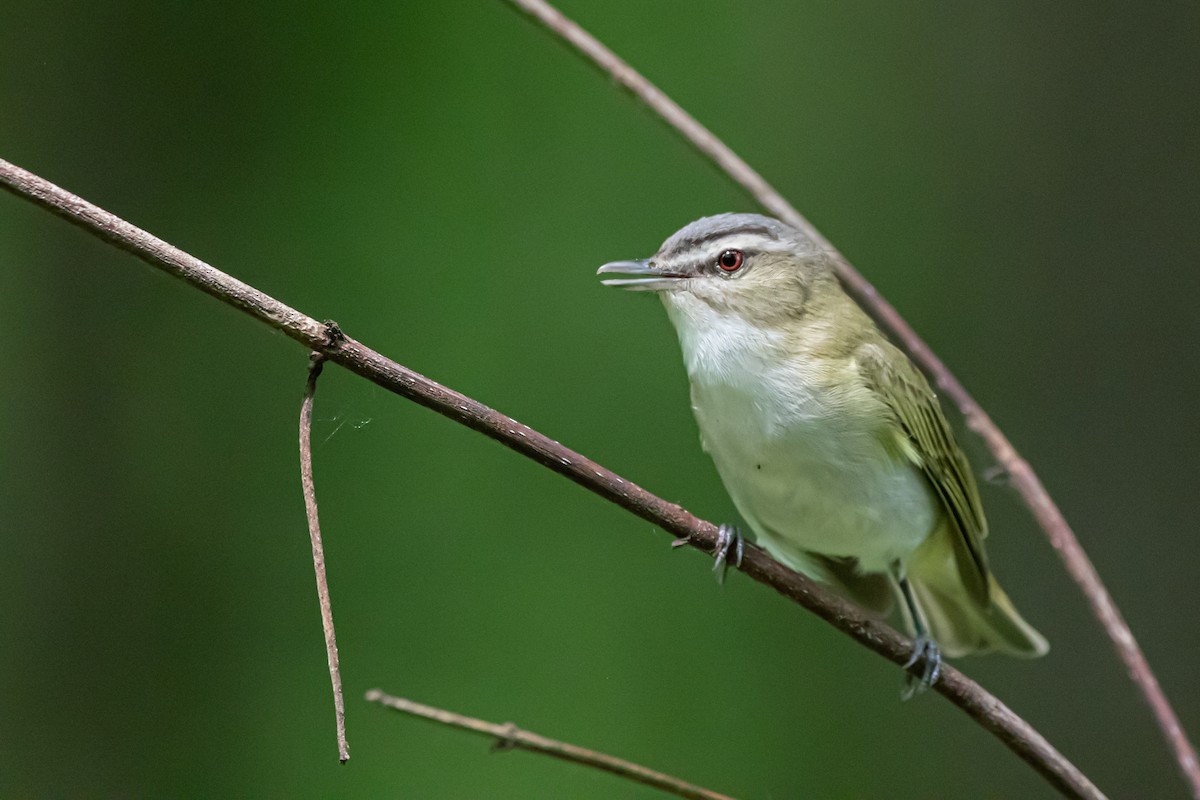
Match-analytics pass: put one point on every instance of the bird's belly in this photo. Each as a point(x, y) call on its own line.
point(808, 480)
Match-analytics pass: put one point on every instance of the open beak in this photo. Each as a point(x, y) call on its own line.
point(652, 278)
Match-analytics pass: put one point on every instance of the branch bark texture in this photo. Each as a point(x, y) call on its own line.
point(1018, 735)
point(1020, 474)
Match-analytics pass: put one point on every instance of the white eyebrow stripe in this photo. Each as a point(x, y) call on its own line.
point(747, 241)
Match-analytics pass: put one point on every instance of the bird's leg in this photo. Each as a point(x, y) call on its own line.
point(728, 539)
point(924, 649)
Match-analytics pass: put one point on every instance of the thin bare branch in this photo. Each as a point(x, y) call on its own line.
point(1020, 473)
point(316, 362)
point(509, 737)
point(1018, 735)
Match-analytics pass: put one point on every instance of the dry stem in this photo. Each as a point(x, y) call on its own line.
point(508, 736)
point(315, 364)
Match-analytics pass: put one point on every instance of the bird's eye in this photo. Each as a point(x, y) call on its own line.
point(731, 260)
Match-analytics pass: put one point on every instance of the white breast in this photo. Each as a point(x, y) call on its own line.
point(806, 471)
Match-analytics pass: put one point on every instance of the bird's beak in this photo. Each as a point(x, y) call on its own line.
point(655, 278)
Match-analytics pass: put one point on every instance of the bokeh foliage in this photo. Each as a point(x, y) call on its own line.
point(1020, 179)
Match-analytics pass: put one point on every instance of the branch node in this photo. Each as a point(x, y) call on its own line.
point(334, 338)
point(506, 738)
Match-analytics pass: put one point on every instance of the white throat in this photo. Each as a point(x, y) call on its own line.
point(717, 345)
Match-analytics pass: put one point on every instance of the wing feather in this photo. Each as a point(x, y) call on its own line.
point(931, 446)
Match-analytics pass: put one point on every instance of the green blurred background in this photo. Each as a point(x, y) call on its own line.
point(1020, 179)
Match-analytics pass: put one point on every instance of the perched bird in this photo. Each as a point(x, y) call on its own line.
point(828, 439)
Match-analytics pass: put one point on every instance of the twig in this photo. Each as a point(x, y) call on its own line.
point(1021, 474)
point(509, 736)
point(987, 710)
point(316, 362)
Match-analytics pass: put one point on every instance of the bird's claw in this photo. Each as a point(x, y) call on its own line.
point(728, 539)
point(925, 650)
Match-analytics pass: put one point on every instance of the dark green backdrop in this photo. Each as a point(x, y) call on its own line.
point(1020, 179)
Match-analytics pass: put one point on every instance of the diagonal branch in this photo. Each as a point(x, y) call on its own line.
point(509, 737)
point(1018, 735)
point(1020, 473)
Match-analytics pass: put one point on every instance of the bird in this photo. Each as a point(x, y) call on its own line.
point(829, 440)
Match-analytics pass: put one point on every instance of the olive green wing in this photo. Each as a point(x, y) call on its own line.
point(929, 443)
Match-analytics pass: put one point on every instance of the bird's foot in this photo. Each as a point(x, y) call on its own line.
point(925, 650)
point(729, 540)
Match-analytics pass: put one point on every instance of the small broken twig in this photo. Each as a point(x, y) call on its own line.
point(316, 362)
point(509, 737)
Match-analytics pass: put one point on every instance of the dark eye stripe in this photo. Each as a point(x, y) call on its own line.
point(692, 244)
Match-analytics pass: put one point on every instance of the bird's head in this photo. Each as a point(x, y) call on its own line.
point(745, 264)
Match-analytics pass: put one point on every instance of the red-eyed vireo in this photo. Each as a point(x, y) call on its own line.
point(828, 439)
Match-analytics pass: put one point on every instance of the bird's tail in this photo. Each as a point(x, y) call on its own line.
point(957, 621)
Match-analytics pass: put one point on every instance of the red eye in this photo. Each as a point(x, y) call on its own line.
point(731, 260)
